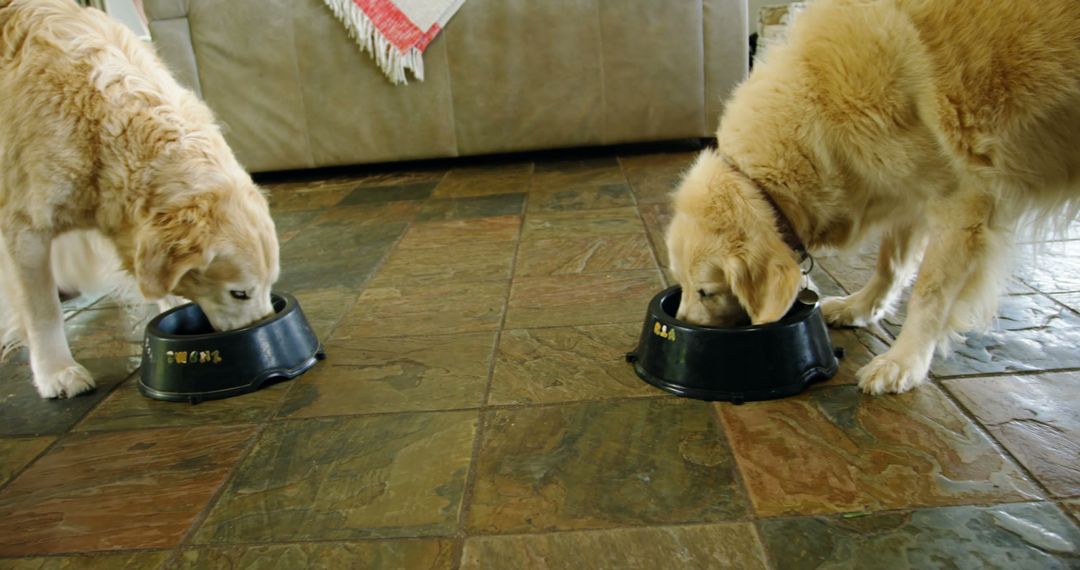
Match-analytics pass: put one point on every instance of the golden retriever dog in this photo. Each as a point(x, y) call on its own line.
point(936, 125)
point(97, 137)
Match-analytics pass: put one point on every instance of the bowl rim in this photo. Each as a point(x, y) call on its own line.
point(790, 319)
point(153, 328)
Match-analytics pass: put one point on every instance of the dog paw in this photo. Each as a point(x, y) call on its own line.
point(884, 375)
point(66, 383)
point(847, 312)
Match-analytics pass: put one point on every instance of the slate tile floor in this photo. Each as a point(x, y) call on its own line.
point(475, 410)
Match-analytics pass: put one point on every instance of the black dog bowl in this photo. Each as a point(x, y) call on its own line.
point(185, 360)
point(735, 364)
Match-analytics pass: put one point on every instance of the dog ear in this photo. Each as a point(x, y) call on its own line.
point(169, 245)
point(766, 287)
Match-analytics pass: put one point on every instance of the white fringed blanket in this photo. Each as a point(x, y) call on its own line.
point(395, 32)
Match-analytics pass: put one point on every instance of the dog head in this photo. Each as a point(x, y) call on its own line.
point(726, 252)
point(215, 245)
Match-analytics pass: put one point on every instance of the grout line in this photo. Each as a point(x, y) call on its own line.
point(1006, 373)
point(86, 555)
point(1000, 447)
point(1059, 302)
point(362, 286)
point(179, 550)
point(215, 498)
point(641, 526)
point(17, 473)
point(617, 527)
point(451, 538)
point(481, 419)
point(740, 479)
point(67, 432)
point(837, 515)
point(253, 423)
point(659, 268)
point(901, 510)
point(637, 208)
point(971, 417)
point(457, 549)
point(275, 410)
point(1047, 496)
point(481, 407)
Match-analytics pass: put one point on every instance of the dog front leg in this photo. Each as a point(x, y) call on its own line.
point(897, 260)
point(56, 374)
point(962, 245)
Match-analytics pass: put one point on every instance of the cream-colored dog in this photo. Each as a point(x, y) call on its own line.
point(937, 125)
point(96, 136)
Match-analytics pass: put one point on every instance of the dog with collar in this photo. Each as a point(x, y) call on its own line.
point(937, 127)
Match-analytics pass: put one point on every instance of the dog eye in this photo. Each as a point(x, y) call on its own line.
point(704, 294)
point(241, 295)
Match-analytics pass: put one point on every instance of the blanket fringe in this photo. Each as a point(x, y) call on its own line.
point(362, 30)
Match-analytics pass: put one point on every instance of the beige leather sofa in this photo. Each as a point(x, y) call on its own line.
point(294, 91)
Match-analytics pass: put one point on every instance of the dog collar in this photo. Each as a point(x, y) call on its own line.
point(787, 230)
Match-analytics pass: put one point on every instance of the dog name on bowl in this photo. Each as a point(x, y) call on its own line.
point(663, 332)
point(193, 357)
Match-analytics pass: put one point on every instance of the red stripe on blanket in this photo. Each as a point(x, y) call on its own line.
point(394, 25)
point(426, 39)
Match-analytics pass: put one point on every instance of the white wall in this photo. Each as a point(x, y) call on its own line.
point(755, 5)
point(128, 13)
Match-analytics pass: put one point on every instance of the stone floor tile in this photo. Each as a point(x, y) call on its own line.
point(573, 171)
point(379, 375)
point(464, 263)
point(422, 554)
point(608, 464)
point(838, 450)
point(1033, 536)
point(485, 179)
point(727, 545)
point(573, 255)
point(1035, 418)
point(399, 475)
point(472, 207)
point(24, 412)
point(570, 198)
point(117, 490)
point(18, 452)
point(144, 559)
point(389, 193)
point(417, 310)
point(581, 223)
point(588, 299)
point(126, 409)
point(566, 364)
point(449, 233)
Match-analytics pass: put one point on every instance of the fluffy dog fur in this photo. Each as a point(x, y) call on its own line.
point(107, 165)
point(937, 125)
